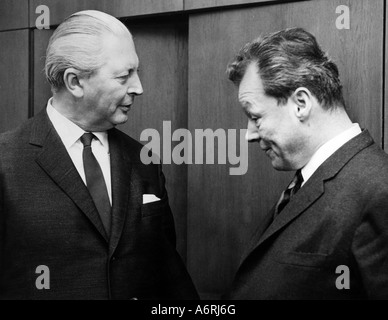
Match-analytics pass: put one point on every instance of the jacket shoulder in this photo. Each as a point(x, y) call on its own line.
point(373, 161)
point(367, 172)
point(18, 134)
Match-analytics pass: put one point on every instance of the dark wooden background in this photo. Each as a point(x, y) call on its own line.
point(184, 47)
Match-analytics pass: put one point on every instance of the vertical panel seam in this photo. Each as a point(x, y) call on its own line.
point(30, 64)
point(187, 19)
point(28, 13)
point(31, 70)
point(384, 72)
point(30, 73)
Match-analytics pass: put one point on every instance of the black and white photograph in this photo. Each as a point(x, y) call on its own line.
point(193, 154)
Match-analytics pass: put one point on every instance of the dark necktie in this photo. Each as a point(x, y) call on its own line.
point(287, 194)
point(95, 181)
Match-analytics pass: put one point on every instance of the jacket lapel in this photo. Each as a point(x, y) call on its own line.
point(314, 187)
point(56, 162)
point(303, 199)
point(121, 172)
point(261, 228)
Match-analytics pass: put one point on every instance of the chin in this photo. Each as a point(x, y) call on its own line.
point(280, 168)
point(280, 165)
point(120, 120)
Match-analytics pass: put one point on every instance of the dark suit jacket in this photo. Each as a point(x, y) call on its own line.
point(47, 217)
point(339, 217)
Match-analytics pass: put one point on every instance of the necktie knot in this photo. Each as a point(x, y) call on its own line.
point(296, 183)
point(87, 138)
point(287, 194)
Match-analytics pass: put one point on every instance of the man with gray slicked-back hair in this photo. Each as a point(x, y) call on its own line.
point(327, 235)
point(77, 43)
point(81, 217)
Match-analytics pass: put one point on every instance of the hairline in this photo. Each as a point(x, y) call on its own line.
point(103, 28)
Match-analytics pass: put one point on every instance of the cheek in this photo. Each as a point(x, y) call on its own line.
point(283, 131)
point(293, 143)
point(281, 140)
point(117, 96)
point(110, 101)
point(269, 130)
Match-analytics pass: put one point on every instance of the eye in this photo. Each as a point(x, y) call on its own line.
point(124, 76)
point(255, 119)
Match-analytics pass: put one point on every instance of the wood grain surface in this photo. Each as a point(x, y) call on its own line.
point(60, 9)
point(13, 14)
point(14, 81)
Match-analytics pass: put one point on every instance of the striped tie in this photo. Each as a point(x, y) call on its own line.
point(287, 194)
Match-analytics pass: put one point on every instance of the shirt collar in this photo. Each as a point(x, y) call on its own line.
point(68, 131)
point(327, 149)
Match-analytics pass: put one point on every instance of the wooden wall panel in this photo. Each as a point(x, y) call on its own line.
point(13, 14)
point(386, 84)
point(14, 84)
point(41, 87)
point(161, 45)
point(203, 4)
point(59, 9)
point(224, 210)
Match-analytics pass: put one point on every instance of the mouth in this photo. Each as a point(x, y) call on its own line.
point(268, 151)
point(125, 107)
point(264, 147)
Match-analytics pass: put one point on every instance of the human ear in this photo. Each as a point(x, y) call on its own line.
point(303, 101)
point(71, 78)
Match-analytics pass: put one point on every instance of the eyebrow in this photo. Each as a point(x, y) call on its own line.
point(247, 113)
point(245, 104)
point(242, 98)
point(128, 70)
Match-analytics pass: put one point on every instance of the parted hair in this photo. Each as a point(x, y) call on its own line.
point(289, 59)
point(77, 43)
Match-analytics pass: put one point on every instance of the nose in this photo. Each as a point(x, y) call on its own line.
point(252, 134)
point(135, 87)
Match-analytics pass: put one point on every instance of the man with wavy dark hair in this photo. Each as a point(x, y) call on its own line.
point(327, 235)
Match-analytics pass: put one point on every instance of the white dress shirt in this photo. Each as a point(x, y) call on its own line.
point(327, 149)
point(70, 135)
